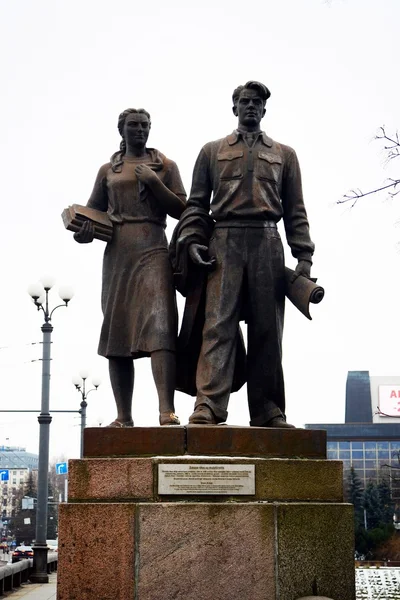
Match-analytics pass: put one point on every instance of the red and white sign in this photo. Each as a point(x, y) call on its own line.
point(389, 400)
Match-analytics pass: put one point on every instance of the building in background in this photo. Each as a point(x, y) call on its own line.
point(11, 491)
point(15, 457)
point(19, 463)
point(369, 439)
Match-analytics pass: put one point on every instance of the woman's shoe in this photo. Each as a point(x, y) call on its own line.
point(121, 424)
point(169, 418)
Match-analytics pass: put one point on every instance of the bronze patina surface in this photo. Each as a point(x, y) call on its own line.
point(229, 263)
point(138, 188)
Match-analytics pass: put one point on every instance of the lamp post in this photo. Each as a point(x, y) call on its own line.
point(40, 295)
point(80, 385)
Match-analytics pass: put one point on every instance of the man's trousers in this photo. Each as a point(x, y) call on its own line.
point(247, 282)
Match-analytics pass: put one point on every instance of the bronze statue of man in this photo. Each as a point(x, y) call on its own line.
point(248, 182)
point(138, 188)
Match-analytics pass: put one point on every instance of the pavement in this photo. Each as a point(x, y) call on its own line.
point(35, 591)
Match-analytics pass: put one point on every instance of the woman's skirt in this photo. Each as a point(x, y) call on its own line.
point(138, 296)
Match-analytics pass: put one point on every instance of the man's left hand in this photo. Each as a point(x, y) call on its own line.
point(303, 268)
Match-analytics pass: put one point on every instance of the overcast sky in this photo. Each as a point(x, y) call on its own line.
point(69, 68)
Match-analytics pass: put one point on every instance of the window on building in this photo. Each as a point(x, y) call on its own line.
point(370, 464)
point(357, 454)
point(357, 464)
point(344, 445)
point(384, 472)
point(359, 473)
point(370, 454)
point(362, 479)
point(394, 454)
point(383, 446)
point(383, 455)
point(344, 454)
point(370, 445)
point(357, 445)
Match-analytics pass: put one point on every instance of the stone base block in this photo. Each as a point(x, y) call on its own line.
point(97, 551)
point(136, 479)
point(283, 535)
point(204, 551)
point(315, 551)
point(218, 440)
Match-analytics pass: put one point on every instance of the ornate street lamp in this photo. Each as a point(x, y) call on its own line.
point(79, 382)
point(40, 294)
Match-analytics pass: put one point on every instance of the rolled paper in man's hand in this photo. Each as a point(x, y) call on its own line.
point(302, 291)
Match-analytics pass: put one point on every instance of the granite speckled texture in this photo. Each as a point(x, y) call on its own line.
point(316, 480)
point(88, 568)
point(292, 538)
point(110, 479)
point(279, 479)
point(206, 552)
point(315, 551)
point(122, 479)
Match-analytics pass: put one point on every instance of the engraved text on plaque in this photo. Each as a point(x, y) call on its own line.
point(211, 479)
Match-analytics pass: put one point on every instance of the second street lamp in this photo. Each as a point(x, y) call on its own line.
point(40, 295)
point(80, 384)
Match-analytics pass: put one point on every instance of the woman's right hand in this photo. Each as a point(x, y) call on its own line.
point(86, 233)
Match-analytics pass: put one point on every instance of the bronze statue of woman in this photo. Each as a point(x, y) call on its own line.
point(138, 188)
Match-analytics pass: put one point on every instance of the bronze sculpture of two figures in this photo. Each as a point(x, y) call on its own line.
point(225, 256)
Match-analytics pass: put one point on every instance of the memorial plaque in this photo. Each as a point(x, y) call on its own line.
point(206, 479)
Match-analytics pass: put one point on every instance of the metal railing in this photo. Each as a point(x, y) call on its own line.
point(12, 576)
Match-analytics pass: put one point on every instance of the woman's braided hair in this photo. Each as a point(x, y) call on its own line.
point(117, 158)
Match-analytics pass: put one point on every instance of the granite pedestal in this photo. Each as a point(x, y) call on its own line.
point(289, 537)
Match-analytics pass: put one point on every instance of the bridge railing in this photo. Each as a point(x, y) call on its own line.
point(11, 576)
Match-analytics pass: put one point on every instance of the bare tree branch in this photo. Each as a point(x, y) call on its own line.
point(355, 195)
point(392, 152)
point(383, 136)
